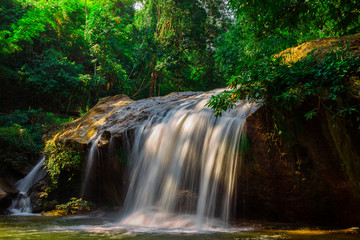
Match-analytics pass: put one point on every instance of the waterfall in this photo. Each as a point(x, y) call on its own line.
point(93, 155)
point(184, 164)
point(22, 204)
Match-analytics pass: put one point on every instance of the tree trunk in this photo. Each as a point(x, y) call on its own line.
point(154, 75)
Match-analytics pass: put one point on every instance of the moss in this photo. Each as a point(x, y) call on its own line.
point(322, 47)
point(62, 157)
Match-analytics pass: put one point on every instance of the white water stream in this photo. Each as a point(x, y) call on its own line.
point(184, 166)
point(22, 204)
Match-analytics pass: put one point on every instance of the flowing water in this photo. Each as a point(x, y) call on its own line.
point(22, 204)
point(184, 165)
point(94, 154)
point(55, 228)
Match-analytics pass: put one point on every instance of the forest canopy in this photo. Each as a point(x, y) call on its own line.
point(59, 57)
point(63, 55)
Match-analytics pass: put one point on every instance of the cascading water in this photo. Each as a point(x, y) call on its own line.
point(184, 164)
point(94, 154)
point(22, 204)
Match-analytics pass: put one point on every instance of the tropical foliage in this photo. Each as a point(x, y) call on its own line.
point(62, 158)
point(245, 55)
point(64, 55)
point(22, 134)
point(75, 205)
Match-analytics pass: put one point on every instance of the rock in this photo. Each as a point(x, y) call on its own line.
point(7, 192)
point(117, 115)
point(300, 179)
point(321, 47)
point(186, 201)
point(85, 128)
point(37, 195)
point(116, 118)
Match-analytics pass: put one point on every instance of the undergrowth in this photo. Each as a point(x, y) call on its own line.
point(23, 133)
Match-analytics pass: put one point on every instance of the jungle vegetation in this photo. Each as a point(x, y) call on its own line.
point(59, 57)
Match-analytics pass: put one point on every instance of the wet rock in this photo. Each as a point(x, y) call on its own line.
point(186, 201)
point(112, 121)
point(298, 179)
point(114, 116)
point(301, 179)
point(38, 196)
point(7, 192)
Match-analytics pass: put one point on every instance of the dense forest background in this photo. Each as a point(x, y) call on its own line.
point(59, 57)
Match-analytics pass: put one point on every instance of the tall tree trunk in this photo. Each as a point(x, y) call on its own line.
point(154, 75)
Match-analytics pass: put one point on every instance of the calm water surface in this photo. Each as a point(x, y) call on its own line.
point(53, 228)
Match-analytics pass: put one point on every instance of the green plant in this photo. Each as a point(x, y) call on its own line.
point(55, 80)
point(62, 157)
point(22, 135)
point(284, 88)
point(75, 205)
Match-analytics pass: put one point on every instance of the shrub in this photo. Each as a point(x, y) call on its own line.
point(75, 205)
point(331, 81)
point(62, 157)
point(22, 135)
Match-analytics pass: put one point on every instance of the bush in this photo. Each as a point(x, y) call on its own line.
point(22, 135)
point(332, 81)
point(75, 205)
point(61, 157)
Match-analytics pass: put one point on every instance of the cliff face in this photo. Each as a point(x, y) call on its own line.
point(310, 170)
point(297, 177)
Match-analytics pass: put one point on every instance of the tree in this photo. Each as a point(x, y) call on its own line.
point(176, 46)
point(263, 28)
point(111, 44)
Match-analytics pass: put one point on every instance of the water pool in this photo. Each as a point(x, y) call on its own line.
point(53, 228)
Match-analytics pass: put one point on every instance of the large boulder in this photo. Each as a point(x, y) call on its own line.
point(298, 179)
point(110, 126)
point(321, 47)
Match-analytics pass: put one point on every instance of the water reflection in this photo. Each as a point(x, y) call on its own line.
point(20, 227)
